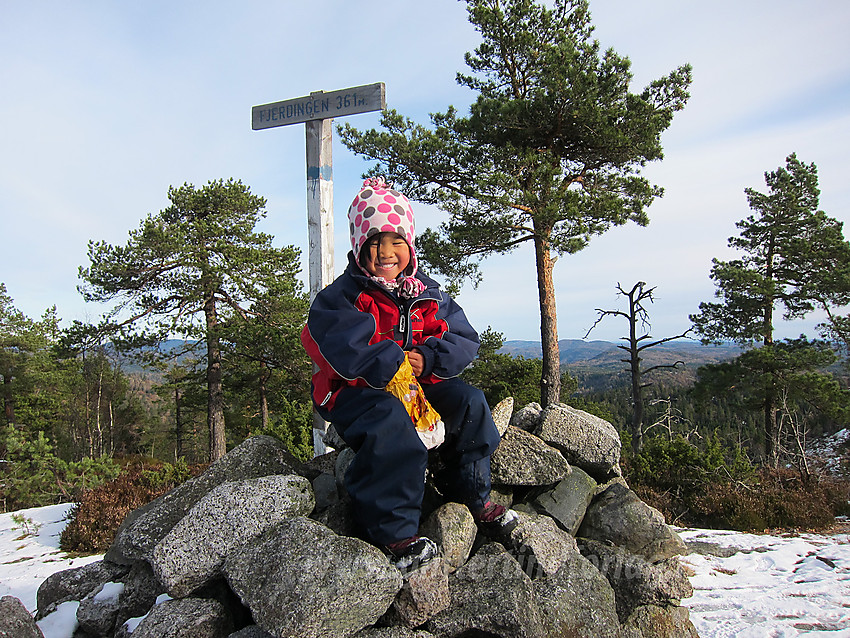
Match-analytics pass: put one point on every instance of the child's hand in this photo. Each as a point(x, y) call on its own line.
point(417, 361)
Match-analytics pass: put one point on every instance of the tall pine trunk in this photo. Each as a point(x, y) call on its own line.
point(8, 406)
point(111, 450)
point(265, 374)
point(97, 447)
point(179, 452)
point(771, 429)
point(550, 382)
point(215, 392)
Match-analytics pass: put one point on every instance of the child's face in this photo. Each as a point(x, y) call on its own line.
point(386, 255)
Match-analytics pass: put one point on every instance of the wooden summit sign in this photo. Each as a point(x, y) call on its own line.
point(320, 106)
point(317, 111)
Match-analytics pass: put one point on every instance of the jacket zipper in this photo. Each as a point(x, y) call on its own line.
point(404, 324)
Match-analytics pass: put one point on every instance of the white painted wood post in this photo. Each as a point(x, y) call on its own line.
point(320, 228)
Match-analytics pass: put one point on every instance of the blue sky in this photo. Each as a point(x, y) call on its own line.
point(104, 105)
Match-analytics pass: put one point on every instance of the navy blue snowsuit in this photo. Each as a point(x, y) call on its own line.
point(357, 333)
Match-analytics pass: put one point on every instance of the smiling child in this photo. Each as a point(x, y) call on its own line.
point(362, 331)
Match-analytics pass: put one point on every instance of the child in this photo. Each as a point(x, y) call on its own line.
point(360, 330)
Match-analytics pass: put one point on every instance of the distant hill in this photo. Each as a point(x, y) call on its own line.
point(175, 347)
point(598, 364)
point(602, 352)
point(572, 350)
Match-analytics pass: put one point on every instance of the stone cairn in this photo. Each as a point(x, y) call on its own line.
point(263, 545)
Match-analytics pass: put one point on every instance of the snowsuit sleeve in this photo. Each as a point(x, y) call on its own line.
point(450, 342)
point(342, 341)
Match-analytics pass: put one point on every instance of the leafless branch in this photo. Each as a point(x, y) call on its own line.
point(661, 366)
point(665, 340)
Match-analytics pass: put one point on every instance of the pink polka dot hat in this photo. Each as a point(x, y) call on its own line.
point(377, 208)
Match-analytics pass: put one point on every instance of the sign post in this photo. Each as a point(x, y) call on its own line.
point(317, 112)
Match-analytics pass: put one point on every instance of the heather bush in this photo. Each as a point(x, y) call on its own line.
point(715, 486)
point(774, 499)
point(94, 520)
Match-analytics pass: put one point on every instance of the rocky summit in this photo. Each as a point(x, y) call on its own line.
point(262, 545)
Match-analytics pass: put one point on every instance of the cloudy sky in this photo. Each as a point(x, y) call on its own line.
point(104, 105)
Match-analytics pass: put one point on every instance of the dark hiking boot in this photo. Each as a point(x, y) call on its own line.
point(409, 554)
point(496, 521)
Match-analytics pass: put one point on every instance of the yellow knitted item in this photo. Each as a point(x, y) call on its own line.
point(405, 387)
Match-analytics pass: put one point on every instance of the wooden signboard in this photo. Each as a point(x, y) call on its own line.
point(320, 106)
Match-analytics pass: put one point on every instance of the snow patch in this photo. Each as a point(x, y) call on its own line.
point(61, 623)
point(769, 585)
point(109, 592)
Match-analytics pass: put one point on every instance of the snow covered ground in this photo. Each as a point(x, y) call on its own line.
point(758, 586)
point(752, 586)
point(29, 553)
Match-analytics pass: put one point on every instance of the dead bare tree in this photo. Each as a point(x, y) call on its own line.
point(672, 419)
point(793, 432)
point(638, 318)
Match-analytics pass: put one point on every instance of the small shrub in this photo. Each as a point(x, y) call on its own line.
point(670, 473)
point(27, 525)
point(294, 427)
point(776, 499)
point(94, 521)
point(33, 476)
point(168, 475)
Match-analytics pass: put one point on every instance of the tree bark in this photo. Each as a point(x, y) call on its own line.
point(550, 382)
point(771, 431)
point(111, 450)
point(264, 398)
point(637, 391)
point(215, 392)
point(178, 425)
point(97, 448)
point(8, 406)
point(87, 411)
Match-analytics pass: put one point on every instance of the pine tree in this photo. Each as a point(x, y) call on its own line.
point(15, 327)
point(550, 153)
point(268, 367)
point(795, 259)
point(185, 270)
